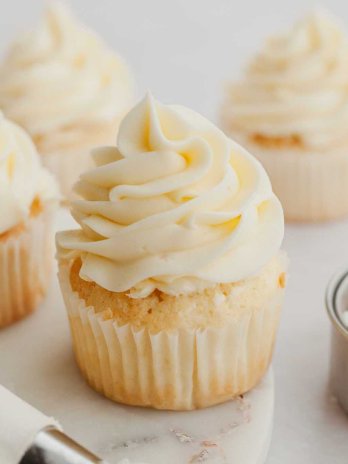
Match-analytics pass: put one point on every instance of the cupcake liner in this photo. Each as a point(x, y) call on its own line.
point(311, 186)
point(25, 262)
point(177, 369)
point(67, 166)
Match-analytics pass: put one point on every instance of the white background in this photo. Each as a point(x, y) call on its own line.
point(184, 51)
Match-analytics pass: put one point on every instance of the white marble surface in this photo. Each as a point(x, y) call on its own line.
point(184, 51)
point(308, 423)
point(36, 363)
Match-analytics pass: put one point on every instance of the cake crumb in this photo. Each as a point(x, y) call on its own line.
point(219, 298)
point(181, 436)
point(202, 456)
point(209, 444)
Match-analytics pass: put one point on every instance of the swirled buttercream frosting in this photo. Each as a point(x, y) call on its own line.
point(61, 78)
point(22, 178)
point(176, 206)
point(295, 90)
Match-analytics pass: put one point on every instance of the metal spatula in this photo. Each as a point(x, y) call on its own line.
point(29, 437)
point(51, 446)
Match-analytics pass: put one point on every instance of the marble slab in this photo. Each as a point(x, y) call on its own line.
point(36, 363)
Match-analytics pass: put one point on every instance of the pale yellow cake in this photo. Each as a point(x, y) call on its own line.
point(213, 308)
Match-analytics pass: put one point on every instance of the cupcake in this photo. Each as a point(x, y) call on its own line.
point(174, 282)
point(291, 111)
point(67, 89)
point(28, 195)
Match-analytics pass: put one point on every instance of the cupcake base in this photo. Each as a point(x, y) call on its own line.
point(221, 433)
point(25, 264)
point(312, 187)
point(179, 369)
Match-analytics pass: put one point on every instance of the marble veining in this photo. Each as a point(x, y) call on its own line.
point(201, 447)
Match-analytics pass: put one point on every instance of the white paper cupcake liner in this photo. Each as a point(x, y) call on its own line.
point(25, 262)
point(178, 369)
point(310, 186)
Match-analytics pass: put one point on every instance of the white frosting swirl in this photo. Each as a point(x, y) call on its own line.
point(22, 178)
point(61, 77)
point(177, 207)
point(296, 87)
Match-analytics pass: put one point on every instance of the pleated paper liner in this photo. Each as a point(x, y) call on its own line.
point(177, 369)
point(26, 259)
point(311, 186)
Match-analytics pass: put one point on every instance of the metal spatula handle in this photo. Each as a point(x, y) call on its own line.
point(51, 446)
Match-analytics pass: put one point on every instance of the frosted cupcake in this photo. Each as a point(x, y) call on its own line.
point(291, 111)
point(28, 195)
point(174, 282)
point(67, 89)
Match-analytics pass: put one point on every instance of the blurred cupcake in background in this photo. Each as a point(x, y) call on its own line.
point(28, 196)
point(63, 85)
point(174, 281)
point(291, 110)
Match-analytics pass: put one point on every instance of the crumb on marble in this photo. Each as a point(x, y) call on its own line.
point(182, 436)
point(202, 456)
point(209, 444)
point(131, 444)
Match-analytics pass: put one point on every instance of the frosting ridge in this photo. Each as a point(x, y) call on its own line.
point(296, 89)
point(22, 178)
point(62, 78)
point(176, 206)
